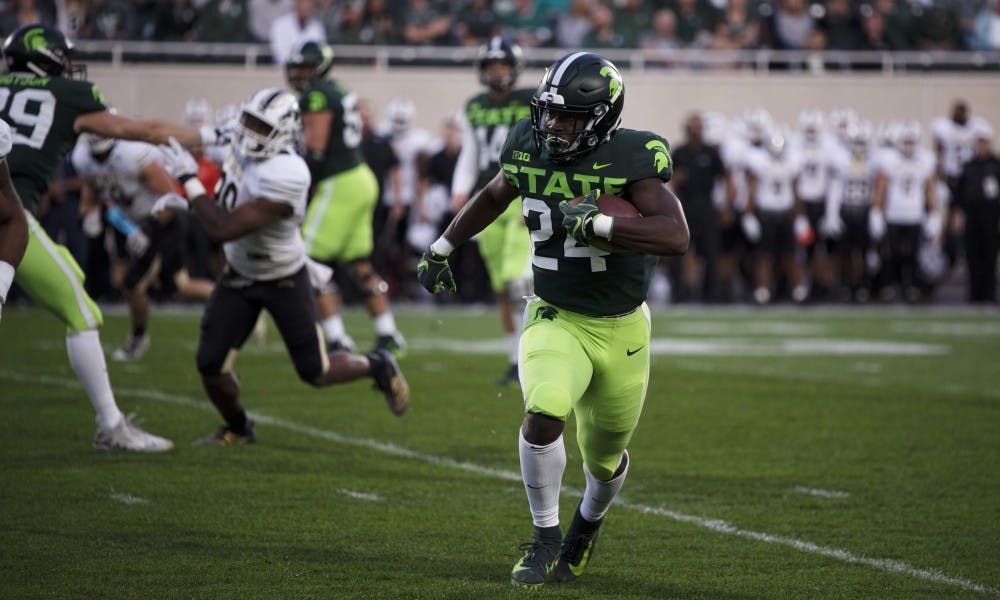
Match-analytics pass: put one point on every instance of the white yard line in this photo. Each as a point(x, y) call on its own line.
point(801, 489)
point(360, 495)
point(128, 499)
point(391, 449)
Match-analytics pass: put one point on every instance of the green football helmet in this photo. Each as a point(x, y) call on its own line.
point(310, 61)
point(578, 105)
point(42, 50)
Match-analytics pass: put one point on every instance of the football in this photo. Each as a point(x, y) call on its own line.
point(613, 206)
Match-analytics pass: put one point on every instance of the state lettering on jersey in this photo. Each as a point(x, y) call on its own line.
point(554, 182)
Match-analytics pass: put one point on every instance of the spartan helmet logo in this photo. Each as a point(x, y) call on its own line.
point(34, 39)
point(614, 82)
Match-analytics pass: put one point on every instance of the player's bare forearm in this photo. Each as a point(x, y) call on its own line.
point(484, 208)
point(224, 226)
point(13, 222)
point(152, 131)
point(662, 231)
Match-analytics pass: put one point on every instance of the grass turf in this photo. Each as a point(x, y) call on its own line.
point(781, 454)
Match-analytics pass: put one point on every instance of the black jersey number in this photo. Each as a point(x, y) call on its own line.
point(30, 109)
point(225, 191)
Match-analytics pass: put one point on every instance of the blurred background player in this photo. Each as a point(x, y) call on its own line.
point(905, 208)
point(122, 181)
point(338, 224)
point(772, 173)
point(852, 186)
point(13, 223)
point(505, 244)
point(258, 217)
point(41, 71)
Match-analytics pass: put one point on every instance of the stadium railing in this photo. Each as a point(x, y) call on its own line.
point(118, 53)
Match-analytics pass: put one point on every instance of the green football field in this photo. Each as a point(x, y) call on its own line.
point(782, 454)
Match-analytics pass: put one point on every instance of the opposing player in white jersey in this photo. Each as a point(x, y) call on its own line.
point(849, 199)
point(260, 206)
point(123, 179)
point(772, 174)
point(905, 207)
point(818, 150)
point(13, 223)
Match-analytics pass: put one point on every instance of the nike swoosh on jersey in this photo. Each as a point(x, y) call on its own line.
point(631, 352)
point(599, 166)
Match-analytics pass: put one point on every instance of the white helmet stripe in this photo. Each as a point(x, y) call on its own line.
point(557, 77)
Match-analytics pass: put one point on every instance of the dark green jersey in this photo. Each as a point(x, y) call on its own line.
point(583, 279)
point(490, 122)
point(343, 150)
point(41, 112)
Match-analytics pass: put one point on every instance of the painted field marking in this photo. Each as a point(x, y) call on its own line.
point(716, 525)
point(128, 499)
point(801, 489)
point(359, 495)
point(680, 347)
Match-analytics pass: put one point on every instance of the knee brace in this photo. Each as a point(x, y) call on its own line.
point(366, 280)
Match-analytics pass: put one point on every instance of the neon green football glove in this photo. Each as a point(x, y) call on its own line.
point(578, 219)
point(434, 273)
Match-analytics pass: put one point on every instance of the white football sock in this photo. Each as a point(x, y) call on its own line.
point(333, 328)
point(87, 359)
point(542, 470)
point(385, 324)
point(598, 495)
point(512, 341)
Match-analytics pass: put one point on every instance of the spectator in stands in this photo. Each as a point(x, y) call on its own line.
point(24, 12)
point(572, 25)
point(476, 23)
point(873, 30)
point(787, 26)
point(841, 25)
point(105, 20)
point(899, 23)
point(378, 23)
point(985, 34)
point(225, 21)
point(696, 21)
point(174, 21)
point(663, 37)
point(603, 33)
point(631, 19)
point(738, 28)
point(938, 28)
point(265, 12)
point(527, 25)
point(293, 27)
point(424, 25)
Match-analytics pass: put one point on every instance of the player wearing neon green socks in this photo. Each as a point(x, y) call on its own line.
point(585, 345)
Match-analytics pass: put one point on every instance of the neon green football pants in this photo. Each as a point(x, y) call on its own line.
point(505, 246)
point(50, 276)
point(338, 223)
point(596, 367)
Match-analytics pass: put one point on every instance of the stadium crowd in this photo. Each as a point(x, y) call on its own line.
point(659, 25)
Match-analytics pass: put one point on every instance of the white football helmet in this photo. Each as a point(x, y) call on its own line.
point(197, 113)
point(859, 136)
point(811, 122)
point(97, 144)
point(269, 122)
point(758, 123)
point(399, 114)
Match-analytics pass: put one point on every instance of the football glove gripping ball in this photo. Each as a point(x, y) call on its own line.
point(434, 273)
point(578, 219)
